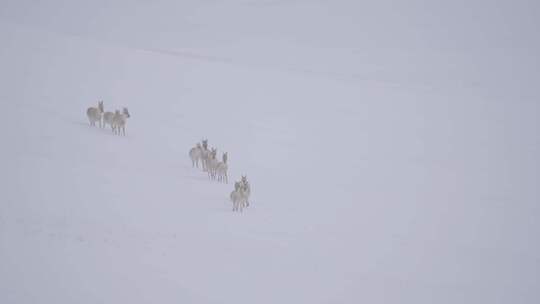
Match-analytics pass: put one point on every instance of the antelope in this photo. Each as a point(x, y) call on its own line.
point(195, 155)
point(238, 197)
point(221, 169)
point(247, 188)
point(119, 121)
point(205, 154)
point(108, 118)
point(94, 114)
point(211, 164)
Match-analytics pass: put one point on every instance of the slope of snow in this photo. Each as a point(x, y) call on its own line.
point(388, 164)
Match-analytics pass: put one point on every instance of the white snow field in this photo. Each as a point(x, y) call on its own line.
point(392, 146)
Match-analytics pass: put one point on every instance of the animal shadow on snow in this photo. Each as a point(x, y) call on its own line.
point(106, 131)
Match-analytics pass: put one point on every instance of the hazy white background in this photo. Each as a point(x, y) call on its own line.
point(393, 149)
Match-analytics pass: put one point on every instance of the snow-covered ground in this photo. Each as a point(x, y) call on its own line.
point(393, 149)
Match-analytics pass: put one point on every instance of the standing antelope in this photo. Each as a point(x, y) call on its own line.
point(94, 114)
point(211, 164)
point(119, 121)
point(205, 154)
point(221, 169)
point(108, 118)
point(247, 188)
point(238, 197)
point(195, 155)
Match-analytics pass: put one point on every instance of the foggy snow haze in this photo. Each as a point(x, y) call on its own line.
point(391, 147)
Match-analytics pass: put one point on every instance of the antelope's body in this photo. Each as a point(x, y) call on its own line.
point(195, 154)
point(94, 114)
point(247, 188)
point(119, 121)
point(211, 164)
point(238, 197)
point(108, 118)
point(222, 168)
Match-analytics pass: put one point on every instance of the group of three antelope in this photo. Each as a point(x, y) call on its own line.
point(116, 120)
point(217, 170)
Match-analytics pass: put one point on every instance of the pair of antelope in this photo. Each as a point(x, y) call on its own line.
point(217, 170)
point(116, 120)
point(240, 194)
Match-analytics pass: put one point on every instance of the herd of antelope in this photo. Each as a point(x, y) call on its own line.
point(217, 170)
point(200, 154)
point(116, 120)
